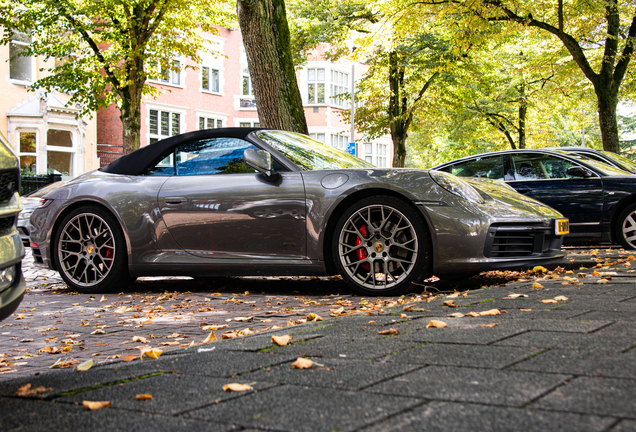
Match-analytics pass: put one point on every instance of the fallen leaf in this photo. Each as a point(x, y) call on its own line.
point(549, 301)
point(129, 358)
point(314, 317)
point(282, 340)
point(98, 332)
point(437, 324)
point(513, 296)
point(103, 299)
point(144, 396)
point(525, 310)
point(211, 337)
point(408, 307)
point(456, 315)
point(26, 390)
point(302, 363)
point(449, 303)
point(62, 364)
point(488, 325)
point(243, 319)
point(85, 366)
point(490, 312)
point(561, 298)
point(602, 281)
point(404, 316)
point(540, 269)
point(139, 339)
point(231, 334)
point(537, 285)
point(237, 387)
point(387, 332)
point(50, 350)
point(171, 343)
point(214, 327)
point(152, 353)
point(472, 314)
point(266, 320)
point(94, 405)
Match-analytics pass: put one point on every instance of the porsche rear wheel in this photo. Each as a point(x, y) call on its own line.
point(626, 227)
point(381, 245)
point(90, 251)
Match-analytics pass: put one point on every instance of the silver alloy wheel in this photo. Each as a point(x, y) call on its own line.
point(86, 249)
point(629, 229)
point(378, 246)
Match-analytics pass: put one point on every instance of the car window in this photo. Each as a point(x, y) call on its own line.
point(528, 166)
point(206, 157)
point(485, 167)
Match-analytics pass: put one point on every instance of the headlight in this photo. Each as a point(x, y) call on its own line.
point(7, 277)
point(456, 186)
point(25, 214)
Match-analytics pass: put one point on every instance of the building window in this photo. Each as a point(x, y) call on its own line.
point(172, 76)
point(315, 85)
point(210, 79)
point(247, 90)
point(20, 67)
point(59, 151)
point(250, 124)
point(339, 85)
point(28, 150)
point(318, 137)
point(378, 158)
point(368, 152)
point(163, 124)
point(339, 141)
point(209, 123)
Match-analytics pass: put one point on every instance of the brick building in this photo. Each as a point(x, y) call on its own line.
point(218, 93)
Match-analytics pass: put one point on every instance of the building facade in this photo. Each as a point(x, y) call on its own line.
point(218, 93)
point(42, 129)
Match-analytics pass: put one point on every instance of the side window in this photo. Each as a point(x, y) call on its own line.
point(537, 166)
point(486, 167)
point(212, 156)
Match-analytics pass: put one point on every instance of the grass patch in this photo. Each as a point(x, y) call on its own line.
point(479, 302)
point(95, 387)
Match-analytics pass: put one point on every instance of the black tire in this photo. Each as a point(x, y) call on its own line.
point(626, 227)
point(388, 234)
point(90, 251)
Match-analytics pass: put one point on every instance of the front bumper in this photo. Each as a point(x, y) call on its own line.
point(11, 297)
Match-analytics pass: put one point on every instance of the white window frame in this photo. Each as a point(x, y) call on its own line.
point(340, 85)
point(170, 110)
point(339, 141)
point(209, 74)
point(244, 122)
point(19, 151)
point(313, 84)
point(72, 149)
point(180, 75)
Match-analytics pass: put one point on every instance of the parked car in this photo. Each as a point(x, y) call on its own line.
point(29, 203)
point(249, 201)
point(597, 198)
point(602, 156)
point(12, 283)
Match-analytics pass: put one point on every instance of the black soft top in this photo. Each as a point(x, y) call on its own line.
point(140, 160)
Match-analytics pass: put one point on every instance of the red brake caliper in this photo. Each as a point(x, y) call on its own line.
point(362, 254)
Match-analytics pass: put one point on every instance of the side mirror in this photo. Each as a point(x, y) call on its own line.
point(578, 171)
point(261, 161)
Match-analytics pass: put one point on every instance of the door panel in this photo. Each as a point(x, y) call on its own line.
point(236, 215)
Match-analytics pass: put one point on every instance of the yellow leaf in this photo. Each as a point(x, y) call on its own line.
point(85, 366)
point(243, 319)
point(93, 405)
point(169, 343)
point(26, 390)
point(449, 303)
point(472, 314)
point(211, 337)
point(152, 353)
point(437, 324)
point(281, 340)
point(302, 363)
point(144, 396)
point(488, 325)
point(237, 387)
point(214, 327)
point(66, 349)
point(457, 315)
point(602, 281)
point(541, 269)
point(230, 335)
point(561, 298)
point(128, 358)
point(537, 285)
point(98, 332)
point(19, 317)
point(389, 331)
point(549, 301)
point(490, 312)
point(139, 339)
point(103, 299)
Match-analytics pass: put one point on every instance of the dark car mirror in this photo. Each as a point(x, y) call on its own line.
point(578, 171)
point(261, 161)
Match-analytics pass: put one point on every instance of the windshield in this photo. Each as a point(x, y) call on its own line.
point(620, 159)
point(310, 154)
point(602, 167)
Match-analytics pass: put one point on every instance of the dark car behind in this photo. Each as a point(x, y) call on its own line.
point(12, 283)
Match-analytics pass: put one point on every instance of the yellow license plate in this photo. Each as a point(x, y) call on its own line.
point(561, 226)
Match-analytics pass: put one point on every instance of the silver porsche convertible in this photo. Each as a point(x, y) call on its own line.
point(243, 201)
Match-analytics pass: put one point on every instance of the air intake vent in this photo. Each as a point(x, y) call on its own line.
point(9, 184)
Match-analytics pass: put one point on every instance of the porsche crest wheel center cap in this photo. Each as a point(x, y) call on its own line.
point(379, 246)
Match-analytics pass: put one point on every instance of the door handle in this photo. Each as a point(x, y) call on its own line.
point(523, 189)
point(175, 200)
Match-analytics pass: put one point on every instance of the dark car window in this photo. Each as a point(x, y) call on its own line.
point(529, 166)
point(206, 157)
point(486, 167)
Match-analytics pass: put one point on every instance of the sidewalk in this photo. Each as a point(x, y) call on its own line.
point(555, 353)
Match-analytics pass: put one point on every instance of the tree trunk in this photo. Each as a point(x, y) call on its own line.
point(397, 103)
point(523, 110)
point(267, 45)
point(607, 103)
point(398, 137)
point(131, 118)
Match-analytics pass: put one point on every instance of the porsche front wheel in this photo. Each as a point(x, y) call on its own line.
point(381, 245)
point(626, 227)
point(90, 251)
